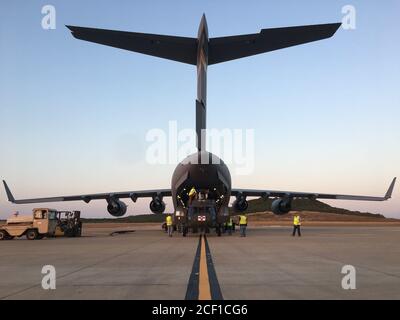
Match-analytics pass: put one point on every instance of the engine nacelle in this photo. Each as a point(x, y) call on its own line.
point(281, 206)
point(116, 208)
point(157, 205)
point(240, 204)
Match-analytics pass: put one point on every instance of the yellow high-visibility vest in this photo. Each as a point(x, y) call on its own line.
point(192, 192)
point(243, 220)
point(296, 221)
point(169, 221)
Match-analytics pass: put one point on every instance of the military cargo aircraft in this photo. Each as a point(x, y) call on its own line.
point(203, 171)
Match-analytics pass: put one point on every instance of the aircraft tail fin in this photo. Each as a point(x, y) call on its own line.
point(200, 125)
point(180, 49)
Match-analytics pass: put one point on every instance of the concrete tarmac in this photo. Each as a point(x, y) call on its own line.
point(268, 264)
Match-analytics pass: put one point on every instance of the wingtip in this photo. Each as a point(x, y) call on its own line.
point(389, 192)
point(8, 192)
point(73, 29)
point(335, 27)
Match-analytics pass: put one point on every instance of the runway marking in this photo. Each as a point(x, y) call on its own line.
point(192, 291)
point(203, 283)
point(216, 293)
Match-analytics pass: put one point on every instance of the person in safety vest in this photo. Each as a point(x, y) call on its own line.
point(229, 225)
point(168, 221)
point(242, 225)
point(296, 225)
point(192, 193)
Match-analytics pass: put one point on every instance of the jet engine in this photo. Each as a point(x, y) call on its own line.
point(157, 205)
point(116, 208)
point(240, 204)
point(281, 206)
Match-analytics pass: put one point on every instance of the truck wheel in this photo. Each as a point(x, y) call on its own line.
point(31, 234)
point(3, 235)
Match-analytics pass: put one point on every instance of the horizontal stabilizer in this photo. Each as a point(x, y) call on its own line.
point(235, 47)
point(169, 47)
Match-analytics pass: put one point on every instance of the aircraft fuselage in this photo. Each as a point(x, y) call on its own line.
point(202, 170)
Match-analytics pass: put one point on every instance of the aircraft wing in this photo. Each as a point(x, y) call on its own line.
point(311, 195)
point(134, 195)
point(180, 49)
point(235, 47)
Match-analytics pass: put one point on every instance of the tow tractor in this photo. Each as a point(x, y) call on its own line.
point(68, 224)
point(42, 223)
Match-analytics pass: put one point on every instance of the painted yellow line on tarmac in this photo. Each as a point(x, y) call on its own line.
point(204, 283)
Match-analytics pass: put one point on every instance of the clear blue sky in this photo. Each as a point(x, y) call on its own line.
point(73, 115)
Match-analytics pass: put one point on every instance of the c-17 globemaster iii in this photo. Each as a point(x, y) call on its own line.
point(203, 171)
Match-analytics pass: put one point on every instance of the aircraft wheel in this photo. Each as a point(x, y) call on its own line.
point(3, 235)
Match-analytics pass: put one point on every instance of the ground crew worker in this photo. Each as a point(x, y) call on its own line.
point(192, 193)
point(168, 220)
point(243, 225)
point(229, 225)
point(296, 225)
point(180, 200)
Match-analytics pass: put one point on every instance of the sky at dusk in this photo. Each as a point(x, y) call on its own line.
point(74, 115)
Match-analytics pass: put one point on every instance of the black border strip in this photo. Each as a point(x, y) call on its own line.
point(216, 293)
point(192, 292)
